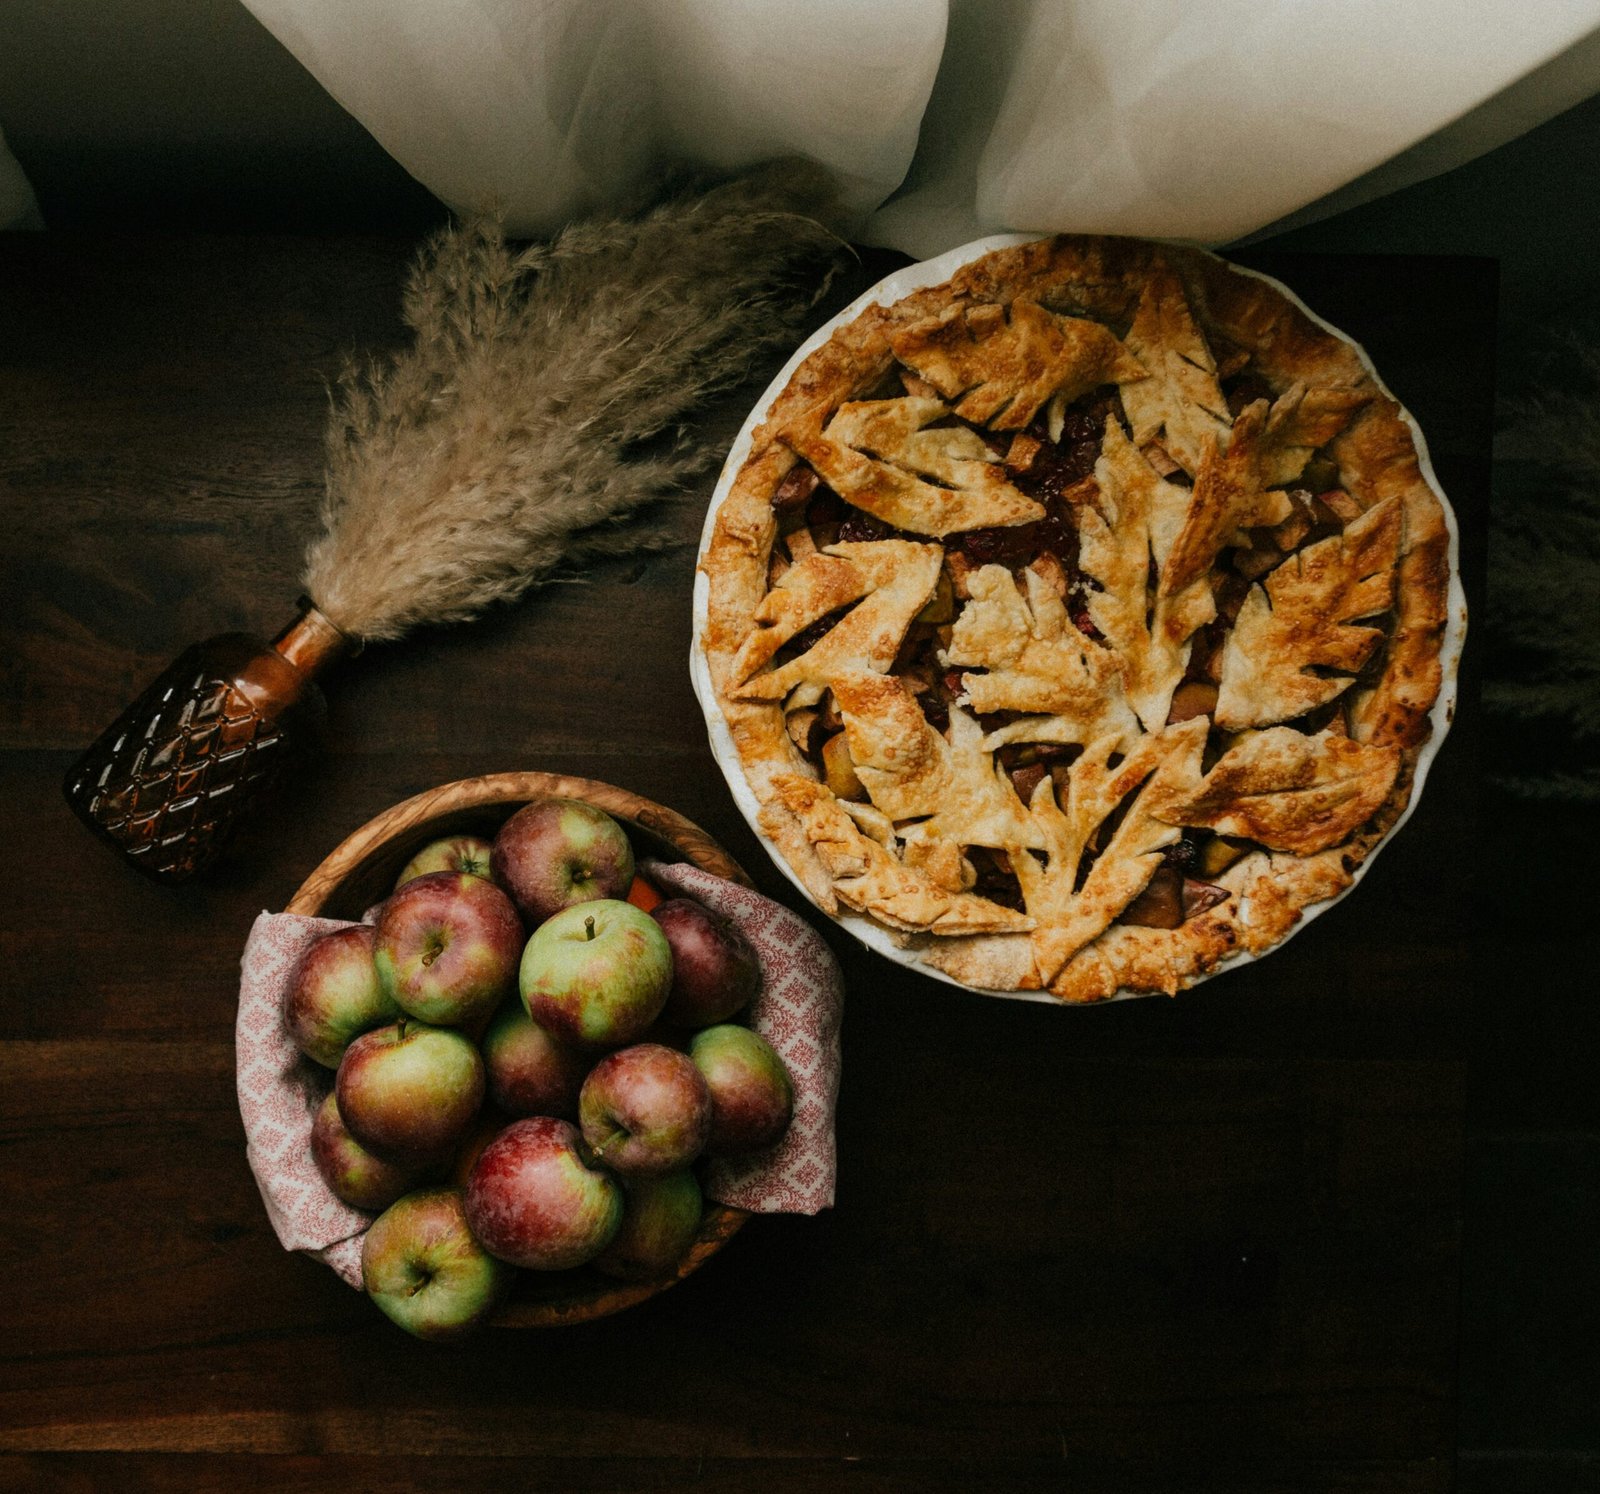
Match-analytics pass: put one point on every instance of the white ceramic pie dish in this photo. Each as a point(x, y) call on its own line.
point(875, 936)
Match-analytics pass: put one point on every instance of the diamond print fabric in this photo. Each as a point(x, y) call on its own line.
point(798, 1012)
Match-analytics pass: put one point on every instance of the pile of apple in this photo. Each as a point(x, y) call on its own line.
point(541, 974)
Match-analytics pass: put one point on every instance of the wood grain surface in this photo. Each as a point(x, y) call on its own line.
point(1203, 1243)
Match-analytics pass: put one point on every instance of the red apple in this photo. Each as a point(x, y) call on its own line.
point(336, 995)
point(715, 971)
point(408, 1092)
point(534, 1199)
point(596, 975)
point(554, 853)
point(421, 1265)
point(660, 1219)
point(447, 948)
point(353, 1173)
point(530, 1073)
point(457, 853)
point(645, 1110)
point(482, 1131)
point(752, 1097)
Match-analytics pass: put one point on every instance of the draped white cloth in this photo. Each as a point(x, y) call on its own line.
point(947, 119)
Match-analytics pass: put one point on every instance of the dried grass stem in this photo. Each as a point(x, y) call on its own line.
point(540, 406)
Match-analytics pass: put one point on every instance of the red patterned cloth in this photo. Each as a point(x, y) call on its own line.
point(798, 1012)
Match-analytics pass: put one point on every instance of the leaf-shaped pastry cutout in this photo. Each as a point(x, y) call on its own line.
point(902, 762)
point(1133, 524)
point(1036, 660)
point(879, 455)
point(979, 807)
point(1289, 791)
point(1297, 643)
point(816, 584)
point(902, 431)
point(1167, 764)
point(873, 823)
point(895, 578)
point(869, 879)
point(1238, 483)
point(1229, 495)
point(943, 863)
point(1181, 401)
point(999, 370)
point(1300, 421)
point(995, 963)
point(911, 772)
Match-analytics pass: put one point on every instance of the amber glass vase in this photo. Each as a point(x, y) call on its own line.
point(169, 781)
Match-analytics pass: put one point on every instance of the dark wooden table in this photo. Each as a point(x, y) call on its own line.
point(1210, 1242)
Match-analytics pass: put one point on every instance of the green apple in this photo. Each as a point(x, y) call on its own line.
point(421, 1264)
point(409, 1092)
point(457, 853)
point(596, 975)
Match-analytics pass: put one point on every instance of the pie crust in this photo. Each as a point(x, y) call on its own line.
point(1081, 619)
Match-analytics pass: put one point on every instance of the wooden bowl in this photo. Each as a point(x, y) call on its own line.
point(361, 872)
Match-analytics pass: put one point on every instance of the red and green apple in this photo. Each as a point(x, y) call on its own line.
point(456, 853)
point(355, 1175)
point(408, 1092)
point(336, 995)
point(422, 1266)
point(555, 853)
point(645, 1110)
point(534, 1198)
point(529, 1072)
point(447, 947)
point(660, 1220)
point(715, 971)
point(597, 974)
point(752, 1096)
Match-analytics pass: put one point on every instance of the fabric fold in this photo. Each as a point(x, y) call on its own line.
point(1192, 119)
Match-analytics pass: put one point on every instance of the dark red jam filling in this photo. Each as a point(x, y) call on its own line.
point(1244, 389)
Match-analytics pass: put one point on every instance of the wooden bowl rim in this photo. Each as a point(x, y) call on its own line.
point(491, 789)
point(721, 1221)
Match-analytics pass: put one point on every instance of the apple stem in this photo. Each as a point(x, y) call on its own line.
point(588, 928)
point(400, 1028)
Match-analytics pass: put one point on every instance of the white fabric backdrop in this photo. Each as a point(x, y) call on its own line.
point(1202, 119)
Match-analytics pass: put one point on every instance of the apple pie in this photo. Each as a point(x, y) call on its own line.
point(1079, 619)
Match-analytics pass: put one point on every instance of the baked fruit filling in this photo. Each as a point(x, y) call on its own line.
point(1068, 620)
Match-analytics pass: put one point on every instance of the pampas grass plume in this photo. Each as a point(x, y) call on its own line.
point(537, 416)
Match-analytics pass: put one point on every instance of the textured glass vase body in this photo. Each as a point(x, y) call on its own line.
point(169, 781)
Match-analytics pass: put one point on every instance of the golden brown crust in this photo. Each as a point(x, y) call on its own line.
point(1289, 791)
point(1001, 364)
point(1001, 342)
point(1304, 633)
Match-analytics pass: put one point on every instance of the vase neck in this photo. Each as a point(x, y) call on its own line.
point(312, 641)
